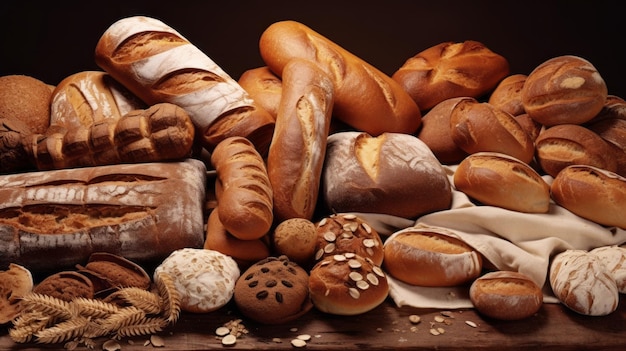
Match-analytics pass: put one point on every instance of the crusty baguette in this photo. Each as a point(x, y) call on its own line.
point(158, 64)
point(143, 212)
point(264, 87)
point(296, 155)
point(365, 98)
point(242, 189)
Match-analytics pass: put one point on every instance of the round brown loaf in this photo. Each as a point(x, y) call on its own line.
point(430, 257)
point(592, 193)
point(564, 90)
point(13, 155)
point(347, 284)
point(506, 295)
point(264, 87)
point(613, 130)
point(27, 99)
point(529, 125)
point(295, 238)
point(394, 173)
point(478, 127)
point(570, 144)
point(449, 70)
point(507, 96)
point(501, 180)
point(66, 286)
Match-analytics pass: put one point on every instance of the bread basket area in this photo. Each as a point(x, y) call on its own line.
point(330, 175)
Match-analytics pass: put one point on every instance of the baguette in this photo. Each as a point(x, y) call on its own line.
point(365, 98)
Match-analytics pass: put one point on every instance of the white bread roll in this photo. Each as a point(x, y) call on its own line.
point(583, 283)
point(500, 180)
point(592, 193)
point(394, 173)
point(614, 259)
point(430, 256)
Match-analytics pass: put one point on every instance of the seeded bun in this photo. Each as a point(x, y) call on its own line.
point(15, 282)
point(506, 295)
point(430, 257)
point(342, 233)
point(26, 99)
point(295, 238)
point(347, 284)
point(273, 291)
point(205, 279)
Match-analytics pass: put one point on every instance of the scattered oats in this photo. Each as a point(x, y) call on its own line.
point(330, 247)
point(415, 319)
point(229, 339)
point(322, 222)
point(369, 243)
point(441, 330)
point(277, 340)
point(222, 331)
point(354, 293)
point(349, 216)
point(304, 337)
point(367, 228)
point(146, 343)
point(111, 345)
point(157, 341)
point(434, 331)
point(298, 343)
point(294, 329)
point(350, 255)
point(447, 314)
point(355, 276)
point(330, 236)
point(413, 329)
point(471, 324)
point(339, 258)
point(354, 264)
point(447, 322)
point(439, 319)
point(362, 284)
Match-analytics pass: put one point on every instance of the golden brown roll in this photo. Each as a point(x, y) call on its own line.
point(564, 90)
point(613, 130)
point(264, 87)
point(296, 239)
point(27, 99)
point(507, 96)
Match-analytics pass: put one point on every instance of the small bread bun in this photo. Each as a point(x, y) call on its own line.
point(564, 90)
point(347, 284)
point(592, 193)
point(613, 131)
point(66, 286)
point(295, 238)
point(481, 127)
point(394, 173)
point(205, 279)
point(27, 99)
point(343, 233)
point(15, 282)
point(532, 127)
point(614, 259)
point(500, 180)
point(569, 144)
point(273, 291)
point(244, 252)
point(583, 284)
point(430, 256)
point(506, 295)
point(264, 87)
point(507, 96)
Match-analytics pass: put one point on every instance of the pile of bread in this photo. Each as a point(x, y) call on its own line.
point(163, 157)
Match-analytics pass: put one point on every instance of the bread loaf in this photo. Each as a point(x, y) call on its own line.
point(158, 64)
point(564, 90)
point(53, 219)
point(13, 155)
point(296, 155)
point(614, 259)
point(500, 180)
point(393, 174)
point(242, 189)
point(264, 87)
point(430, 256)
point(582, 283)
point(15, 282)
point(388, 109)
point(163, 132)
point(592, 193)
point(450, 70)
point(87, 97)
point(613, 130)
point(27, 99)
point(507, 96)
point(481, 127)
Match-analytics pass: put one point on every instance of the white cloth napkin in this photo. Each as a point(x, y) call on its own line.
point(509, 240)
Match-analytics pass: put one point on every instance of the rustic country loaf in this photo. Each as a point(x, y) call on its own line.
point(27, 99)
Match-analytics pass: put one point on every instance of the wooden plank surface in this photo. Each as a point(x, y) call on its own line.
point(388, 328)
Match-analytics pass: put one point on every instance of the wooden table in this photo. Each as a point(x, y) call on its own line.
point(389, 328)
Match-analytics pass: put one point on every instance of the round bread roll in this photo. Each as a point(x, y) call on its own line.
point(592, 193)
point(394, 173)
point(436, 132)
point(13, 155)
point(583, 284)
point(295, 238)
point(430, 256)
point(264, 87)
point(614, 259)
point(273, 291)
point(506, 295)
point(614, 107)
point(343, 233)
point(27, 99)
point(570, 144)
point(109, 271)
point(500, 180)
point(244, 252)
point(507, 96)
point(449, 70)
point(205, 279)
point(66, 286)
point(613, 131)
point(479, 127)
point(529, 125)
point(15, 282)
point(347, 284)
point(564, 90)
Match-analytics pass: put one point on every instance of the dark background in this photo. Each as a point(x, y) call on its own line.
point(53, 39)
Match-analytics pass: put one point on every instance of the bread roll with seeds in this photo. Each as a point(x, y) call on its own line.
point(347, 284)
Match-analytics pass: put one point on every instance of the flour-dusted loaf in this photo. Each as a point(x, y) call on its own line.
point(158, 64)
point(365, 98)
point(582, 282)
point(614, 259)
point(53, 219)
point(394, 173)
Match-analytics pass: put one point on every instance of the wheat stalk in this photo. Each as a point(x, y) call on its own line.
point(47, 305)
point(124, 317)
point(63, 331)
point(169, 295)
point(144, 327)
point(94, 308)
point(143, 299)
